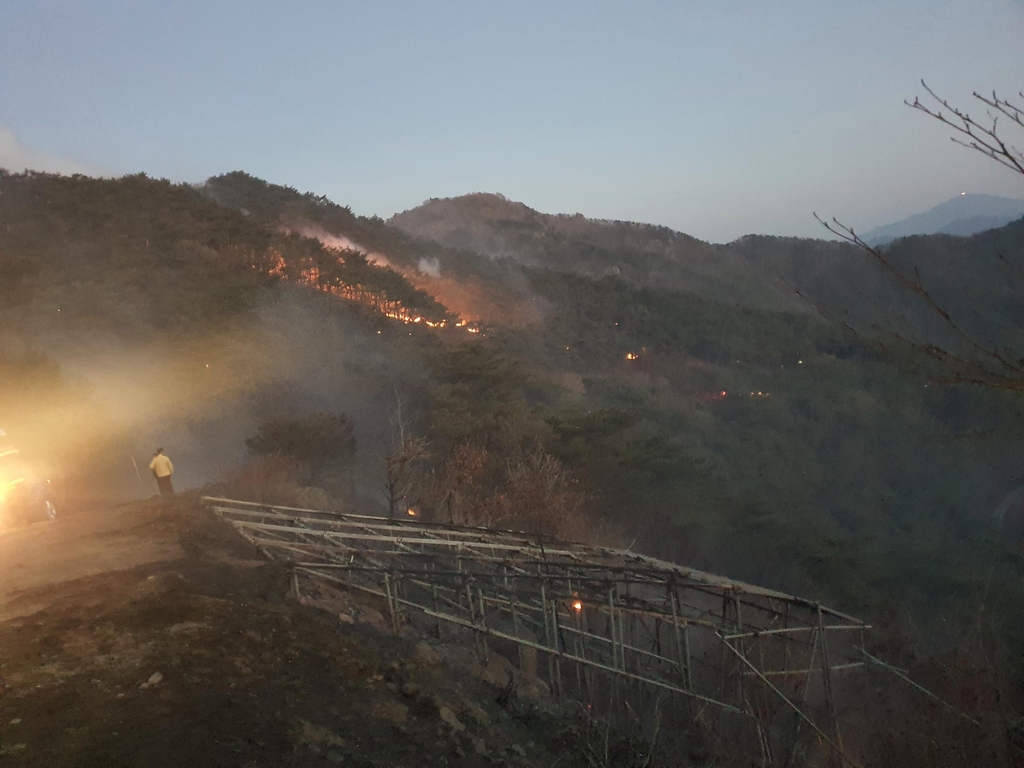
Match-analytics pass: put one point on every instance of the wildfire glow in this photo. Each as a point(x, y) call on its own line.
point(310, 277)
point(577, 605)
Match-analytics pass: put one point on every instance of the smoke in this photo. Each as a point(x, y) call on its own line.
point(200, 398)
point(506, 299)
point(380, 260)
point(429, 267)
point(342, 243)
point(327, 240)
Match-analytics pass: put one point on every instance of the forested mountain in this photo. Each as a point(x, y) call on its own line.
point(476, 288)
point(775, 446)
point(641, 254)
point(972, 278)
point(963, 215)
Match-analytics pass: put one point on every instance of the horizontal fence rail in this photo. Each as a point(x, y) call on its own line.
point(617, 631)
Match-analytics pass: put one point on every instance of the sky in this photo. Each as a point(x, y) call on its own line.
point(718, 119)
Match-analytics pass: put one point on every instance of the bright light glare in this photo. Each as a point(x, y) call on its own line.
point(6, 487)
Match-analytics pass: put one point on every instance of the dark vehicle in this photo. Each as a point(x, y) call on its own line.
point(26, 491)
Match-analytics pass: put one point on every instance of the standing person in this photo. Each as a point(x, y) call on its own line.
point(162, 471)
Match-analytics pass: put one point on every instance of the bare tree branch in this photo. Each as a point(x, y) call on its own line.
point(1008, 373)
point(982, 137)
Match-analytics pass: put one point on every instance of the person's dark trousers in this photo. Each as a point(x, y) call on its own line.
point(164, 484)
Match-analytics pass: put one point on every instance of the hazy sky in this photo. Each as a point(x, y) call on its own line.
point(718, 117)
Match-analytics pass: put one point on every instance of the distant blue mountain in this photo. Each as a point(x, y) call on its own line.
point(963, 215)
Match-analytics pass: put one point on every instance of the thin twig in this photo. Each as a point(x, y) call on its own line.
point(975, 373)
point(979, 137)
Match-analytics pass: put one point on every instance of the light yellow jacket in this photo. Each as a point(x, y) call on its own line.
point(161, 465)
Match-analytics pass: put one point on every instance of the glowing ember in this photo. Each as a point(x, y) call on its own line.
point(577, 606)
point(631, 356)
point(412, 512)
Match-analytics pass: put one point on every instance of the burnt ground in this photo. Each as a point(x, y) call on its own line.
point(199, 656)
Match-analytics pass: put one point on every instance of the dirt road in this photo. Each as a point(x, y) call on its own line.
point(70, 548)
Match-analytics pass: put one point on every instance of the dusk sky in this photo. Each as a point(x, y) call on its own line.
point(714, 118)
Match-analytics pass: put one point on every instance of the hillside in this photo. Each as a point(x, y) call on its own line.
point(136, 311)
point(179, 315)
point(251, 329)
point(474, 288)
point(775, 273)
point(642, 254)
point(109, 239)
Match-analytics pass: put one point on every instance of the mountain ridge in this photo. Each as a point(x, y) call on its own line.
point(646, 255)
point(963, 215)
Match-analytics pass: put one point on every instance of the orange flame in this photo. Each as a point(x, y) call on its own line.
point(310, 277)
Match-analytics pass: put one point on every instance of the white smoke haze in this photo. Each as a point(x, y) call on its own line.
point(380, 260)
point(429, 267)
point(469, 298)
point(201, 398)
point(16, 157)
point(342, 243)
point(327, 240)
